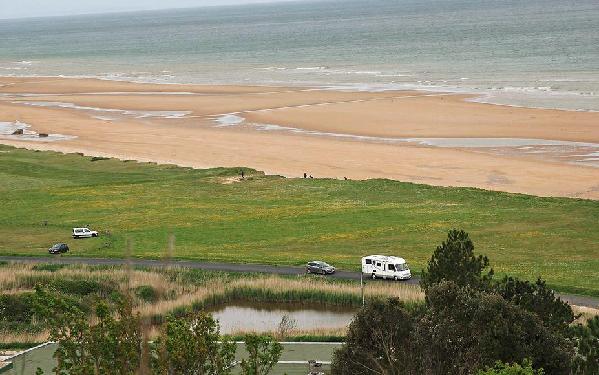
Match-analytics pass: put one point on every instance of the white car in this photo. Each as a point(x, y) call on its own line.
point(386, 267)
point(84, 233)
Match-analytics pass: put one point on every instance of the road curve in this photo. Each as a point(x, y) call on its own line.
point(578, 300)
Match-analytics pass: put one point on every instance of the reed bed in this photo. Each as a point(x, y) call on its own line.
point(273, 289)
point(180, 291)
point(24, 338)
point(585, 313)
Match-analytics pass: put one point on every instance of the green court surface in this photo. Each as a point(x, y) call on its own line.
point(294, 359)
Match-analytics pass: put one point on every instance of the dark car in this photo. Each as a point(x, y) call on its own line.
point(59, 248)
point(321, 268)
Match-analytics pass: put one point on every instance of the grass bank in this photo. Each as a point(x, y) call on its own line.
point(272, 220)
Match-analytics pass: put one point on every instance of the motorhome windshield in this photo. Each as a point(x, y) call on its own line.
point(402, 267)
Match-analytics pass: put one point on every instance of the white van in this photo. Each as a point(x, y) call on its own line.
point(84, 233)
point(386, 267)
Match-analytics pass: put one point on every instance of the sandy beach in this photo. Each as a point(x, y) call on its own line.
point(414, 136)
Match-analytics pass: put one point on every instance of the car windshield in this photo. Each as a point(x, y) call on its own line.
point(322, 264)
point(402, 267)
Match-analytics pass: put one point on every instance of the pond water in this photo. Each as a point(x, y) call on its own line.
point(264, 317)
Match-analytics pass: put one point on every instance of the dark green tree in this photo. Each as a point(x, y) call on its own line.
point(465, 330)
point(263, 353)
point(586, 338)
point(378, 342)
point(514, 369)
point(192, 346)
point(454, 260)
point(537, 298)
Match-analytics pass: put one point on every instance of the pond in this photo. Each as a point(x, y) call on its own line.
point(264, 317)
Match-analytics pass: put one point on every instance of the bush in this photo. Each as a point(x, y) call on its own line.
point(539, 299)
point(379, 337)
point(459, 331)
point(146, 293)
point(515, 369)
point(98, 158)
point(17, 307)
point(464, 330)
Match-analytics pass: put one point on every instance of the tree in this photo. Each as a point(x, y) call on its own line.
point(465, 329)
point(264, 353)
point(539, 299)
point(454, 260)
point(191, 346)
point(515, 369)
point(586, 358)
point(378, 341)
point(115, 342)
point(111, 347)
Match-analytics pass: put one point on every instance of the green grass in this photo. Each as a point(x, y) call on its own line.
point(272, 220)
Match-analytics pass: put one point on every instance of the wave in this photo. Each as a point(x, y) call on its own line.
point(543, 95)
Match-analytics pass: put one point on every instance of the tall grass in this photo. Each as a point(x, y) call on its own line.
point(585, 313)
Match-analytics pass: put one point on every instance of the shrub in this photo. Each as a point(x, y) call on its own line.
point(379, 337)
point(17, 307)
point(537, 298)
point(464, 330)
point(146, 293)
point(515, 369)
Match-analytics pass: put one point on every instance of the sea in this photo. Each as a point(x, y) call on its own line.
point(533, 53)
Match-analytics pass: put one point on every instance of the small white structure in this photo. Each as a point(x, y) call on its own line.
point(386, 267)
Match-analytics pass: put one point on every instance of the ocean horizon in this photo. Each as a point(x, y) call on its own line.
point(539, 53)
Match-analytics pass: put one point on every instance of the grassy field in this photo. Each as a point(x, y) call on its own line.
point(272, 220)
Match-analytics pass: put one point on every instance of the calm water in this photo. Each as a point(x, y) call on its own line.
point(535, 53)
point(265, 317)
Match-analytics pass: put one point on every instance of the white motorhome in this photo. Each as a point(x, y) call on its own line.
point(386, 267)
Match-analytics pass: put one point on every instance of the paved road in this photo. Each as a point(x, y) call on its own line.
point(233, 267)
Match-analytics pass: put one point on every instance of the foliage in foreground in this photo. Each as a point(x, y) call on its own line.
point(514, 369)
point(264, 353)
point(191, 345)
point(586, 358)
point(118, 345)
point(468, 324)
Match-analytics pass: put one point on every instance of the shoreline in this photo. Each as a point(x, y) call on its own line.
point(481, 97)
point(148, 122)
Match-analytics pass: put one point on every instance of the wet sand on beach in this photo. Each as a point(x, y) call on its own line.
point(193, 140)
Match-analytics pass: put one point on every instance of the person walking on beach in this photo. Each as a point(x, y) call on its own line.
point(305, 175)
point(242, 174)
